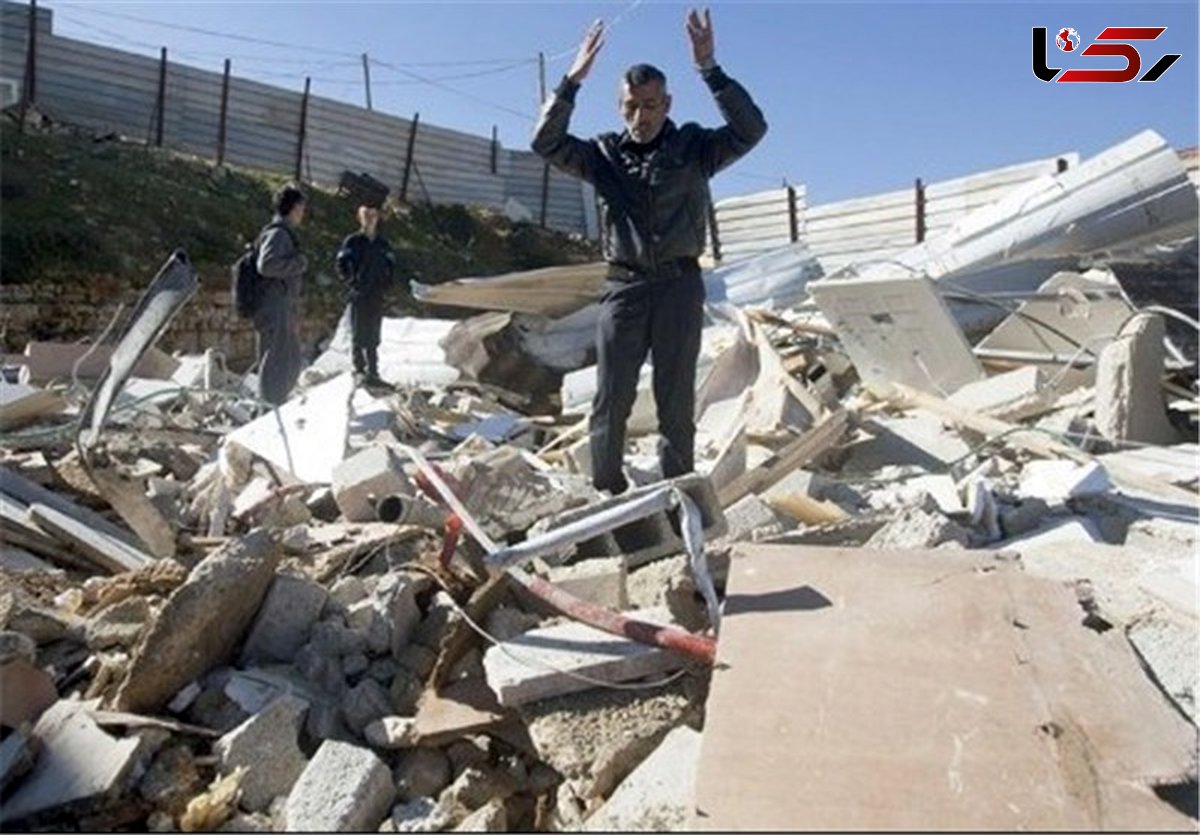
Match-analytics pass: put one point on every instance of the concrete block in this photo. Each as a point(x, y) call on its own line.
point(366, 477)
point(285, 620)
point(344, 788)
point(660, 793)
point(601, 581)
point(1057, 481)
point(647, 539)
point(940, 487)
point(266, 745)
point(1013, 396)
point(748, 514)
point(347, 591)
point(369, 624)
point(1053, 535)
point(421, 815)
point(918, 528)
point(1130, 405)
point(575, 648)
point(396, 596)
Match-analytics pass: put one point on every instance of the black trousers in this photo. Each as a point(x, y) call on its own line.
point(662, 318)
point(366, 317)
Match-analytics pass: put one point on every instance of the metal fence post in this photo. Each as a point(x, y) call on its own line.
point(30, 86)
point(408, 155)
point(223, 127)
point(303, 130)
point(162, 97)
point(920, 195)
point(495, 147)
point(793, 215)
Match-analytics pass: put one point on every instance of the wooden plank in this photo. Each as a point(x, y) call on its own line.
point(113, 554)
point(27, 492)
point(795, 454)
point(861, 690)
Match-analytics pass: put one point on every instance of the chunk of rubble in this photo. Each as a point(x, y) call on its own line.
point(344, 788)
point(266, 746)
point(200, 623)
point(660, 793)
point(284, 620)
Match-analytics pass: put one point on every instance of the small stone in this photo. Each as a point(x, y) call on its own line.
point(347, 591)
point(370, 625)
point(437, 619)
point(421, 815)
point(466, 753)
point(171, 781)
point(383, 670)
point(366, 702)
point(325, 722)
point(118, 625)
point(476, 786)
point(492, 817)
point(392, 732)
point(507, 622)
point(355, 665)
point(405, 693)
point(325, 671)
point(417, 659)
point(285, 619)
point(421, 772)
point(333, 638)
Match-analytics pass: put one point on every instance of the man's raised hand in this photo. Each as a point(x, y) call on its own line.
point(701, 33)
point(588, 50)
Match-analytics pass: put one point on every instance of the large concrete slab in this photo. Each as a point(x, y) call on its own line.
point(926, 691)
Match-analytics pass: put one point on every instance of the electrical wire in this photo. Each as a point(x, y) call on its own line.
point(469, 96)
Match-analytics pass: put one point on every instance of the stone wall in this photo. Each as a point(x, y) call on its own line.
point(56, 312)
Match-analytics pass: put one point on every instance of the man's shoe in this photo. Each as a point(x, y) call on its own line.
point(373, 381)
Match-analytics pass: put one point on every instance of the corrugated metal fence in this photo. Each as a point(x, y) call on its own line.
point(106, 89)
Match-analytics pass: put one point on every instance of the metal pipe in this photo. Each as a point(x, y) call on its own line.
point(399, 509)
point(584, 529)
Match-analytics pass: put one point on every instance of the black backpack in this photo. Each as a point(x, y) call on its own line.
point(246, 282)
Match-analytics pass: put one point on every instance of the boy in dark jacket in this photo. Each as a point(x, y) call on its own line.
point(367, 267)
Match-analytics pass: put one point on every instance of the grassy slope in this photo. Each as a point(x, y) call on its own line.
point(73, 208)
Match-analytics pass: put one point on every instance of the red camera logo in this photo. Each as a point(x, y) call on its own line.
point(1111, 42)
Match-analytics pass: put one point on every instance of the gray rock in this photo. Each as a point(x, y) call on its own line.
point(418, 660)
point(469, 752)
point(347, 591)
point(325, 722)
point(421, 772)
point(491, 817)
point(334, 638)
point(366, 702)
point(405, 693)
point(396, 595)
point(200, 623)
point(285, 620)
point(392, 732)
point(919, 528)
point(119, 625)
point(266, 744)
point(370, 624)
point(421, 815)
point(325, 671)
point(355, 665)
point(475, 787)
point(344, 788)
point(383, 670)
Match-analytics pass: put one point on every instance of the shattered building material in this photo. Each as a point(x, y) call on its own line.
point(550, 291)
point(201, 622)
point(568, 658)
point(306, 436)
point(1020, 691)
point(78, 761)
point(1130, 403)
point(660, 794)
point(344, 788)
point(363, 479)
point(795, 454)
point(285, 619)
point(22, 404)
point(897, 329)
point(114, 555)
point(48, 361)
point(266, 746)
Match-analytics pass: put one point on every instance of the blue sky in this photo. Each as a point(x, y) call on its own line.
point(861, 97)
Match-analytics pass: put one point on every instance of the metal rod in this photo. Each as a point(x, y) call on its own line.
point(793, 215)
point(367, 79)
point(223, 126)
point(495, 146)
point(303, 130)
point(545, 166)
point(584, 529)
point(920, 201)
point(162, 97)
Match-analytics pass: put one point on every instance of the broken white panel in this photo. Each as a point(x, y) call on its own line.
point(410, 352)
point(1050, 536)
point(1057, 481)
point(897, 329)
point(1132, 196)
point(305, 436)
point(563, 344)
point(1072, 310)
point(775, 279)
point(1177, 464)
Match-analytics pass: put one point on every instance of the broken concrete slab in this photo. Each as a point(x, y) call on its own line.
point(29, 493)
point(366, 478)
point(1177, 464)
point(659, 796)
point(1130, 403)
point(266, 745)
point(918, 527)
point(1057, 481)
point(1053, 533)
point(306, 436)
point(344, 788)
point(201, 622)
point(917, 439)
point(22, 404)
point(600, 581)
point(48, 361)
point(748, 515)
point(491, 817)
point(78, 761)
point(538, 664)
point(1020, 682)
point(285, 619)
point(421, 815)
point(1015, 395)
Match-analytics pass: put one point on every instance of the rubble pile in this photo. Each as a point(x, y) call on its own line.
point(408, 610)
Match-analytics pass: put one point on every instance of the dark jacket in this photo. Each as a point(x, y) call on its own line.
point(366, 266)
point(279, 256)
point(653, 207)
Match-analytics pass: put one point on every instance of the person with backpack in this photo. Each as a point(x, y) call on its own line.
point(367, 266)
point(280, 266)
